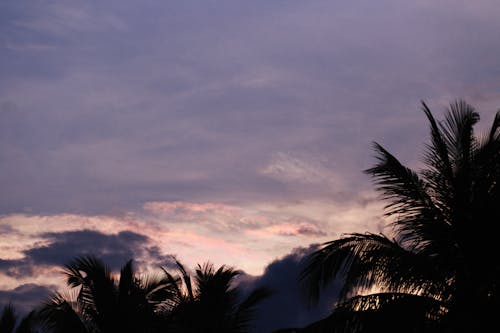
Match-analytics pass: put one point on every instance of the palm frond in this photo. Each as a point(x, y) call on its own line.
point(8, 319)
point(364, 261)
point(418, 221)
point(61, 314)
point(429, 306)
point(127, 279)
point(186, 279)
point(158, 288)
point(98, 293)
point(439, 170)
point(382, 312)
point(495, 128)
point(393, 312)
point(209, 281)
point(487, 164)
point(458, 130)
point(177, 294)
point(83, 269)
point(401, 186)
point(437, 151)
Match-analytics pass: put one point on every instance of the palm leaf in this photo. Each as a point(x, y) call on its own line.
point(126, 283)
point(419, 223)
point(382, 312)
point(8, 319)
point(365, 261)
point(62, 314)
point(186, 279)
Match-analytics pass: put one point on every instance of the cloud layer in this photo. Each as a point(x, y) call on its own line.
point(107, 106)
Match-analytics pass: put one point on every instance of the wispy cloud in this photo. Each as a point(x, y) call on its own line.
point(288, 168)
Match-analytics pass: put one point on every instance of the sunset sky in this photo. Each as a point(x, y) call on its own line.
point(230, 131)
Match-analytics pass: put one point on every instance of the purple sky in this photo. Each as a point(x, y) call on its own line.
point(234, 131)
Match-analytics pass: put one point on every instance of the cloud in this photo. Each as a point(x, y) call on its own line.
point(246, 237)
point(288, 168)
point(290, 230)
point(227, 218)
point(42, 261)
point(57, 249)
point(114, 249)
point(25, 297)
point(16, 268)
point(287, 308)
point(216, 215)
point(118, 109)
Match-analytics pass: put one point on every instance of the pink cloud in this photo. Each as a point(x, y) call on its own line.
point(180, 207)
point(247, 237)
point(289, 229)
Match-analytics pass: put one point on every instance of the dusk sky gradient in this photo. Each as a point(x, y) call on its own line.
point(229, 131)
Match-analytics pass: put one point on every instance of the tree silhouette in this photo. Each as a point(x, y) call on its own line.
point(440, 269)
point(212, 303)
point(101, 303)
point(9, 318)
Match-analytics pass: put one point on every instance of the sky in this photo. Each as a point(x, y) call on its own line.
point(230, 131)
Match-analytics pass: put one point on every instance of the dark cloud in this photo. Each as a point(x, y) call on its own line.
point(17, 268)
point(305, 230)
point(287, 308)
point(25, 297)
point(113, 249)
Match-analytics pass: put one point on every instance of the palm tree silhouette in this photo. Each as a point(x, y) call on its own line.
point(98, 302)
point(9, 319)
point(439, 270)
point(101, 303)
point(212, 303)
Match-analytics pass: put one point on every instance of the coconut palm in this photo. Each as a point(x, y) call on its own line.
point(212, 303)
point(9, 319)
point(439, 270)
point(98, 302)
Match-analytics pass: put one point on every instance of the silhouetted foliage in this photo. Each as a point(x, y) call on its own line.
point(100, 303)
point(211, 302)
point(440, 270)
point(8, 321)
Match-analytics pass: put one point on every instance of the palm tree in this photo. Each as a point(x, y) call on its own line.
point(100, 303)
point(212, 303)
point(439, 270)
point(9, 318)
